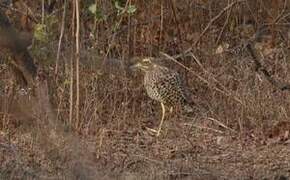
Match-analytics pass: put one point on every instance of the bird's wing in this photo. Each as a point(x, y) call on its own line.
point(170, 84)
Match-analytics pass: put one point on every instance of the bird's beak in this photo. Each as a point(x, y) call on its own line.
point(135, 66)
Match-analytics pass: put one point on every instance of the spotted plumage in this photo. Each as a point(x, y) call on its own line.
point(164, 85)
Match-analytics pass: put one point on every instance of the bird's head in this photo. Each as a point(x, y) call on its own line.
point(145, 64)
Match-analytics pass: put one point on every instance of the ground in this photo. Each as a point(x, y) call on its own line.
point(240, 129)
point(185, 150)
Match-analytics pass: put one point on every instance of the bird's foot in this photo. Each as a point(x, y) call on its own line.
point(156, 132)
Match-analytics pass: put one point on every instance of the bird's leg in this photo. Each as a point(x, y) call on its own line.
point(162, 119)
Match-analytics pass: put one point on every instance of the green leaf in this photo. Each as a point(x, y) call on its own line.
point(117, 6)
point(131, 9)
point(120, 9)
point(40, 32)
point(99, 15)
point(93, 8)
point(96, 12)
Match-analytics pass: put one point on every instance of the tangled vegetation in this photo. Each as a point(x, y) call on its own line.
point(71, 108)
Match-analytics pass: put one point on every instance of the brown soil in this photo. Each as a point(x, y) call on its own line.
point(185, 150)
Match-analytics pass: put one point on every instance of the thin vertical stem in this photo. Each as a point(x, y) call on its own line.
point(161, 23)
point(77, 63)
point(174, 11)
point(42, 12)
point(129, 37)
point(72, 70)
point(60, 37)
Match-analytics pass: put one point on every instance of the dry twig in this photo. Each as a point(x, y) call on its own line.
point(60, 37)
point(223, 91)
point(258, 65)
point(259, 68)
point(216, 18)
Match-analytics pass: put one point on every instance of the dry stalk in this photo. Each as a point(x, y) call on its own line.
point(202, 127)
point(173, 7)
point(77, 64)
point(161, 22)
point(130, 37)
point(71, 93)
point(224, 91)
point(216, 18)
point(115, 33)
point(42, 12)
point(60, 37)
point(259, 68)
point(102, 134)
point(225, 24)
point(280, 16)
point(221, 124)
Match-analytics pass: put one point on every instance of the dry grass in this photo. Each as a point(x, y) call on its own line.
point(225, 139)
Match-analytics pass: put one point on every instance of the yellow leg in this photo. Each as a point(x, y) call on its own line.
point(162, 119)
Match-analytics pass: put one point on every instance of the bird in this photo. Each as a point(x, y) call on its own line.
point(165, 86)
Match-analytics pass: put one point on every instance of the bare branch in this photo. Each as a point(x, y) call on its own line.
point(216, 18)
point(258, 65)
